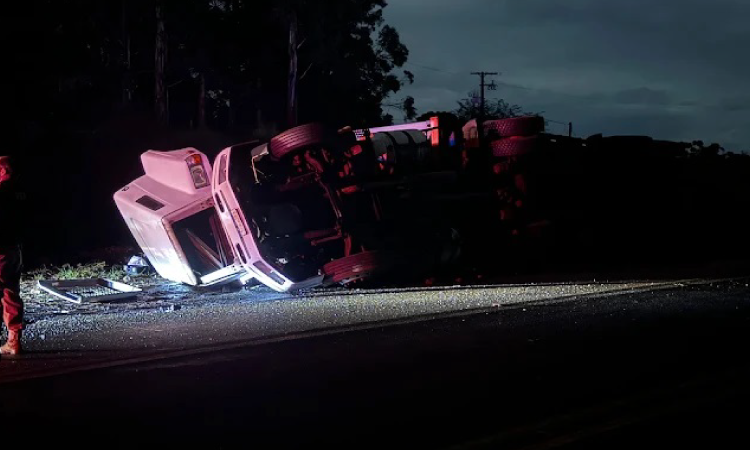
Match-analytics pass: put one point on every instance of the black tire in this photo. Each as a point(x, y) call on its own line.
point(296, 138)
point(356, 267)
point(516, 126)
point(514, 146)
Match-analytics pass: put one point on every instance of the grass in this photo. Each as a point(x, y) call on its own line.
point(98, 269)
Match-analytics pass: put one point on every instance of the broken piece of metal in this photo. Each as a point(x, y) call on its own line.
point(89, 290)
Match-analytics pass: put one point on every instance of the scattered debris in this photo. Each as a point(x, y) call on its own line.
point(89, 290)
point(137, 265)
point(170, 308)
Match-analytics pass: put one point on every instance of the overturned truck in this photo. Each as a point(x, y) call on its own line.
point(315, 206)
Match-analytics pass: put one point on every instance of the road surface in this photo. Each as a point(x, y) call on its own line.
point(546, 366)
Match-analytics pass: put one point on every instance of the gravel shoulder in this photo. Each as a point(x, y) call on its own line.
point(163, 295)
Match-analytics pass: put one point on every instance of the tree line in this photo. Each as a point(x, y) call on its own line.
point(224, 64)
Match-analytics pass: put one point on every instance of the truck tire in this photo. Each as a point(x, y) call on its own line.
point(296, 138)
point(516, 126)
point(356, 267)
point(513, 146)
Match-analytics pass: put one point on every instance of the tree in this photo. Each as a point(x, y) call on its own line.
point(160, 57)
point(405, 105)
point(350, 57)
point(293, 78)
point(698, 148)
point(468, 108)
point(224, 62)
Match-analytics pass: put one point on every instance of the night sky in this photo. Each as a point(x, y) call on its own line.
point(671, 69)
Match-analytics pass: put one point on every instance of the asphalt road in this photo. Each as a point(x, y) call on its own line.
point(553, 366)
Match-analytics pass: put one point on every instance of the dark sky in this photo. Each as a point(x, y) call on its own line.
point(672, 69)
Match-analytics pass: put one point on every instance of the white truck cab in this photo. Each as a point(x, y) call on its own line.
point(170, 212)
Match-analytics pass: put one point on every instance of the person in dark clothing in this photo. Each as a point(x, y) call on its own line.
point(10, 258)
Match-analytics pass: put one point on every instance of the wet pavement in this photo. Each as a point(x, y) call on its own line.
point(547, 366)
point(63, 342)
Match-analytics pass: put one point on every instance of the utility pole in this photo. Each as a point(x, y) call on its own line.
point(492, 86)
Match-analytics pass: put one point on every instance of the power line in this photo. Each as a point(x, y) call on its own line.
point(583, 97)
point(506, 84)
point(500, 83)
point(435, 69)
point(588, 98)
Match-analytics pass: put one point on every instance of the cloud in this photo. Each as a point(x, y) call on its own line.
point(738, 104)
point(606, 64)
point(642, 96)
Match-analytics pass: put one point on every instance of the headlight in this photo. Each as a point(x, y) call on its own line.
point(197, 172)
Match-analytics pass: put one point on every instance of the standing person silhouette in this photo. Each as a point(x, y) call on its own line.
point(10, 257)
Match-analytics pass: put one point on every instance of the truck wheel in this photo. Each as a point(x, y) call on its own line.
point(296, 138)
point(355, 267)
point(513, 146)
point(516, 126)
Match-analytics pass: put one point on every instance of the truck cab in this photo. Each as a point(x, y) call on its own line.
point(170, 212)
